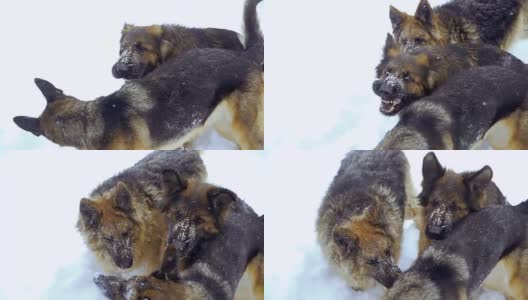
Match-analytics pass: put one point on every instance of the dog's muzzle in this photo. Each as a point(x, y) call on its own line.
point(121, 70)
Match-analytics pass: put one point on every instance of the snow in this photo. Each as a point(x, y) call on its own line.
point(298, 270)
point(43, 255)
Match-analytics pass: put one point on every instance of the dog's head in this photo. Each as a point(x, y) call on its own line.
point(418, 30)
point(111, 225)
point(364, 241)
point(447, 197)
point(141, 50)
point(63, 120)
point(112, 287)
point(195, 213)
point(402, 79)
point(137, 288)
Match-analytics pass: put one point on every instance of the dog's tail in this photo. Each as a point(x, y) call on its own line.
point(253, 35)
point(522, 207)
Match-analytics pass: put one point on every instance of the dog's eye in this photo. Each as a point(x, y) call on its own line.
point(139, 47)
point(199, 221)
point(404, 42)
point(372, 261)
point(419, 40)
point(406, 76)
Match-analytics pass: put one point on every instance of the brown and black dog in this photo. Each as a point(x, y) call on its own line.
point(211, 230)
point(447, 198)
point(171, 106)
point(495, 22)
point(144, 48)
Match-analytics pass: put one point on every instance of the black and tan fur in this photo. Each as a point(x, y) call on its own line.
point(447, 198)
point(143, 48)
point(454, 268)
point(458, 114)
point(202, 218)
point(120, 221)
point(360, 221)
point(150, 287)
point(403, 78)
point(169, 107)
point(494, 22)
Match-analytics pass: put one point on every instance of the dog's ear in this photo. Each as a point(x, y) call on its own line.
point(346, 241)
point(50, 92)
point(221, 200)
point(90, 213)
point(29, 124)
point(166, 50)
point(396, 18)
point(424, 13)
point(171, 182)
point(122, 199)
point(477, 183)
point(112, 287)
point(431, 168)
point(126, 28)
point(390, 50)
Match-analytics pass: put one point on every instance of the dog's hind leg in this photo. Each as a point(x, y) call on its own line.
point(519, 278)
point(247, 107)
point(251, 285)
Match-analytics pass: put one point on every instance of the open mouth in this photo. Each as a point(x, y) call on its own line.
point(390, 107)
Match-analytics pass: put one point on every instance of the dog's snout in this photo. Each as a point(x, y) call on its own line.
point(123, 67)
point(387, 90)
point(435, 229)
point(120, 70)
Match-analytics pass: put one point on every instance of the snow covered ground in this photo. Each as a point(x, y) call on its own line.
point(74, 45)
point(42, 254)
point(296, 269)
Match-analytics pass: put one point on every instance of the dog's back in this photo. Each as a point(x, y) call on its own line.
point(494, 20)
point(144, 175)
point(219, 265)
point(455, 267)
point(458, 114)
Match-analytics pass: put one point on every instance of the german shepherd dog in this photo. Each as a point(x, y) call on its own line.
point(213, 236)
point(447, 198)
point(121, 223)
point(202, 218)
point(454, 268)
point(170, 106)
point(494, 22)
point(458, 114)
point(360, 222)
point(144, 48)
point(407, 77)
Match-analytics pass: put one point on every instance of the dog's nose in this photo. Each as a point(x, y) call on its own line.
point(436, 229)
point(123, 68)
point(386, 90)
point(119, 70)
